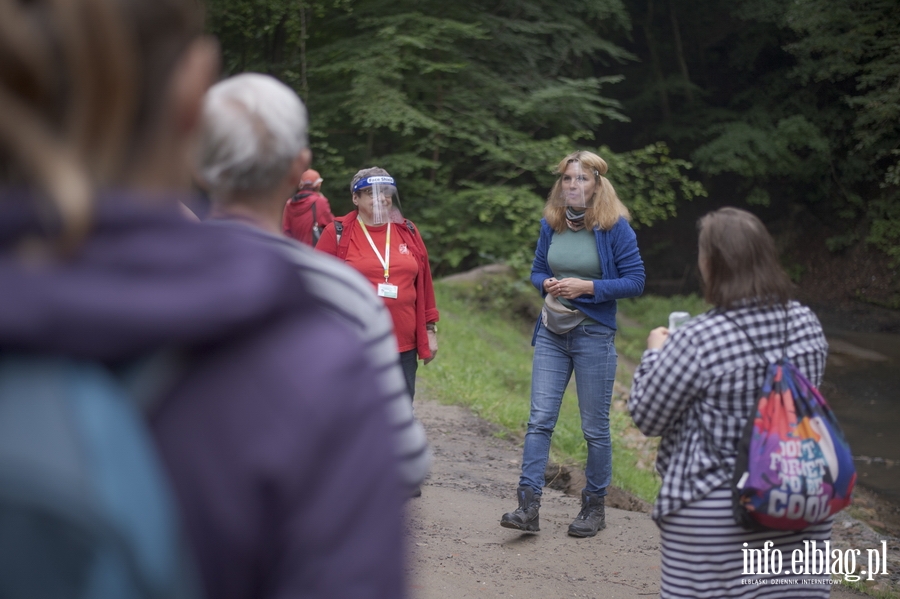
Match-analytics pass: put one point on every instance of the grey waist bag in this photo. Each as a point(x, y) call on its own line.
point(557, 318)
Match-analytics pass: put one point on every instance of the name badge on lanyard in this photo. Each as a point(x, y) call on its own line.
point(387, 290)
point(384, 289)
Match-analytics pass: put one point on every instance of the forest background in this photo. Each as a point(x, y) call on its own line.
point(788, 109)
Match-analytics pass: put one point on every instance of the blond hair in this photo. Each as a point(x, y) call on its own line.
point(81, 83)
point(604, 208)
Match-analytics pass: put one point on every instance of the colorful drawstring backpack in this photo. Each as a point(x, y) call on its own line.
point(794, 467)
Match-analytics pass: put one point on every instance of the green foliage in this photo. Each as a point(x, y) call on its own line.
point(759, 197)
point(839, 243)
point(791, 105)
point(866, 589)
point(482, 224)
point(885, 228)
point(638, 316)
point(513, 296)
point(794, 271)
point(760, 149)
point(855, 42)
point(255, 35)
point(653, 311)
point(484, 364)
point(794, 105)
point(431, 92)
point(467, 106)
point(650, 182)
point(851, 46)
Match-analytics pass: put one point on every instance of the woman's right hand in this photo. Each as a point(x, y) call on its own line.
point(550, 286)
point(657, 337)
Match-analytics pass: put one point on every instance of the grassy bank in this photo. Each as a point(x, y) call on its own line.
point(638, 316)
point(485, 365)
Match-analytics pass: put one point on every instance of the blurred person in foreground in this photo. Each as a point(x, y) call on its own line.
point(586, 258)
point(388, 250)
point(279, 449)
point(696, 388)
point(253, 148)
point(308, 211)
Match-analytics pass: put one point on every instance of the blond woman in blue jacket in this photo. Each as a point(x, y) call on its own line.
point(586, 259)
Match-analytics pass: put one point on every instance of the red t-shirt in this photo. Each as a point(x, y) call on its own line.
point(403, 272)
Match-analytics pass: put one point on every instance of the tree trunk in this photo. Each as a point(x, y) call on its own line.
point(654, 59)
point(304, 84)
point(436, 152)
point(679, 52)
point(278, 39)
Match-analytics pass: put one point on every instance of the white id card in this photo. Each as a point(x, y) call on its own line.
point(387, 290)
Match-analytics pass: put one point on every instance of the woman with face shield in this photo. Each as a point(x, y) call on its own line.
point(388, 250)
point(586, 258)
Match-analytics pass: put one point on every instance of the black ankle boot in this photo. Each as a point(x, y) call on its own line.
point(592, 516)
point(526, 516)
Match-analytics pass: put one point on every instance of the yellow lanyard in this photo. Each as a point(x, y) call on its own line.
point(386, 260)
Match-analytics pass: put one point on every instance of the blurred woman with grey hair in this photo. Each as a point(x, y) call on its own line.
point(253, 144)
point(252, 149)
point(281, 493)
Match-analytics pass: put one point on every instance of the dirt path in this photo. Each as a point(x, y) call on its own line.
point(459, 549)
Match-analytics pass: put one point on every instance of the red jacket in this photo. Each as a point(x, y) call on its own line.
point(297, 221)
point(426, 307)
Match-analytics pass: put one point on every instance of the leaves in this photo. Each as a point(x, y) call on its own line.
point(854, 41)
point(761, 149)
point(468, 106)
point(791, 104)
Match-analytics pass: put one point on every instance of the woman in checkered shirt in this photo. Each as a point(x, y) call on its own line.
point(696, 387)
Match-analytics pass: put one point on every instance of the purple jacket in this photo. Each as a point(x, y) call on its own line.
point(287, 481)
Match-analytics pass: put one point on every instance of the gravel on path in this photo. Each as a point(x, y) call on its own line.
point(459, 550)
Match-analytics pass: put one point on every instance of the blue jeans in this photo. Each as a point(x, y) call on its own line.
point(409, 362)
point(590, 351)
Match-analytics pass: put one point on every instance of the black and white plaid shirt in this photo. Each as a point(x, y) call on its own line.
point(698, 390)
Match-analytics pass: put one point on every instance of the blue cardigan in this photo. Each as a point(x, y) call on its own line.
point(623, 272)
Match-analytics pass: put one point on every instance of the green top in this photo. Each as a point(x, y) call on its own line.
point(574, 254)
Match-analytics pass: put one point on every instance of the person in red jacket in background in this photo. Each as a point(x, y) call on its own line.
point(307, 213)
point(388, 250)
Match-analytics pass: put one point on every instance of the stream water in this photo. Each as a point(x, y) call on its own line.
point(862, 385)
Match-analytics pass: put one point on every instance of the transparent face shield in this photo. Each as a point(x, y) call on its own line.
point(576, 187)
point(378, 197)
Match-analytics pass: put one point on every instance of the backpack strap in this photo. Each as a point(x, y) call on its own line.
point(750, 339)
point(316, 230)
point(342, 241)
point(416, 239)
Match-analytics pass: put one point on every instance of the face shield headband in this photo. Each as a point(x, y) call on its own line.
point(383, 193)
point(370, 181)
